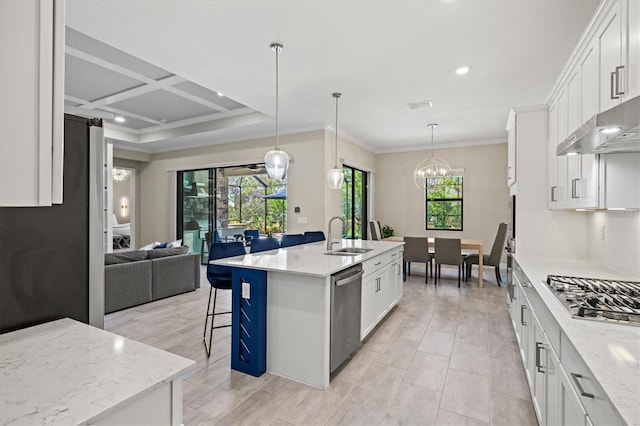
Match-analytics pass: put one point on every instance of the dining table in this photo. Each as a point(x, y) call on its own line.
point(465, 244)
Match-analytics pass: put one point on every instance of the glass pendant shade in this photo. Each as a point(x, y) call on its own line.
point(335, 178)
point(276, 162)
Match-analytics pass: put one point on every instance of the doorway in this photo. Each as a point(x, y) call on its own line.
point(354, 203)
point(123, 208)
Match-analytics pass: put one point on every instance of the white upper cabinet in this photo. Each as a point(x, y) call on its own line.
point(589, 81)
point(633, 49)
point(31, 102)
point(610, 42)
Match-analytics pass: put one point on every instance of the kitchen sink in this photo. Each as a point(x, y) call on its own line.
point(348, 251)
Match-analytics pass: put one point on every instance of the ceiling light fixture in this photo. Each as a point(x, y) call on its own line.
point(462, 70)
point(220, 94)
point(335, 176)
point(119, 119)
point(276, 161)
point(430, 172)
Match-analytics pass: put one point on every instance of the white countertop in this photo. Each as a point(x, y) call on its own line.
point(611, 351)
point(66, 372)
point(309, 259)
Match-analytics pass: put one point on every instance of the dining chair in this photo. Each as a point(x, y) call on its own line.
point(493, 258)
point(416, 249)
point(220, 278)
point(447, 251)
point(264, 244)
point(375, 230)
point(314, 236)
point(250, 235)
point(289, 240)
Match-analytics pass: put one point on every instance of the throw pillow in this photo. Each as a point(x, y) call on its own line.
point(176, 243)
point(161, 245)
point(150, 246)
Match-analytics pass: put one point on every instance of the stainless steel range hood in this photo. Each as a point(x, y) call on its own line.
point(614, 130)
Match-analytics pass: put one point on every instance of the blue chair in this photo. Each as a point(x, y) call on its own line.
point(289, 240)
point(314, 236)
point(216, 237)
point(250, 235)
point(220, 278)
point(264, 244)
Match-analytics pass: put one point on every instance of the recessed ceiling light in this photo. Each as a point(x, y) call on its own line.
point(462, 70)
point(609, 130)
point(220, 94)
point(119, 119)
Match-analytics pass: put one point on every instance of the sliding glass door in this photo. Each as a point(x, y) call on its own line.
point(354, 203)
point(225, 201)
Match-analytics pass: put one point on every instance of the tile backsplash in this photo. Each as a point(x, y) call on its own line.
point(614, 240)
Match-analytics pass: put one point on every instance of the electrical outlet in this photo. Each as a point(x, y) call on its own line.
point(602, 233)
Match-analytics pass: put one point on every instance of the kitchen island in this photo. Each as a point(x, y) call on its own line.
point(66, 372)
point(298, 300)
point(600, 360)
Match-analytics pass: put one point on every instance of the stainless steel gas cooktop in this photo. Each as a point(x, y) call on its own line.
point(598, 299)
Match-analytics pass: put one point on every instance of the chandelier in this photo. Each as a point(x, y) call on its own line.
point(430, 173)
point(120, 175)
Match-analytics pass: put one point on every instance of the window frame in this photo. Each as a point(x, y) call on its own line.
point(456, 174)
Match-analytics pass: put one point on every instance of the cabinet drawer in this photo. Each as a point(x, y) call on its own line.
point(372, 265)
point(592, 396)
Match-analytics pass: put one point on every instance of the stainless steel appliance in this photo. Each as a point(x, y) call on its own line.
point(614, 130)
point(346, 289)
point(598, 299)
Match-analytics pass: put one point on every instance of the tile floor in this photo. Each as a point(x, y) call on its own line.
point(444, 356)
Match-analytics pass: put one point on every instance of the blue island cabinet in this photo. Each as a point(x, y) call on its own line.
point(249, 319)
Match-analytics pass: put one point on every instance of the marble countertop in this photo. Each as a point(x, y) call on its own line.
point(611, 351)
point(67, 372)
point(309, 259)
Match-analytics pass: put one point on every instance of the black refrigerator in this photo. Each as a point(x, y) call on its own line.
point(49, 263)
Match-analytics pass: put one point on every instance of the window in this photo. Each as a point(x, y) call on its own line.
point(354, 203)
point(444, 204)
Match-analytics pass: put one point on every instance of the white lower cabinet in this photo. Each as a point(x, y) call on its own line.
point(563, 390)
point(381, 289)
point(571, 410)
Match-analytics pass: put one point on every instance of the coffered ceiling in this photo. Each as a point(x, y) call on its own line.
point(161, 64)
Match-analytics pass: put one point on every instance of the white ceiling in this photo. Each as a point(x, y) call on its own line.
point(381, 54)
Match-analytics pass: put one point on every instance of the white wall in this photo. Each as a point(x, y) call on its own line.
point(401, 205)
point(620, 248)
point(305, 184)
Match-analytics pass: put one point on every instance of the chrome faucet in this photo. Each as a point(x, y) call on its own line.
point(329, 242)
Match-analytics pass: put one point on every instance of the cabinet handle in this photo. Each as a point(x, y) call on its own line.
point(394, 254)
point(617, 72)
point(539, 367)
point(378, 263)
point(522, 308)
point(553, 193)
point(613, 84)
point(575, 377)
point(574, 188)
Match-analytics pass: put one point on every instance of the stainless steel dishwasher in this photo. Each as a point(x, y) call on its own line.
point(346, 289)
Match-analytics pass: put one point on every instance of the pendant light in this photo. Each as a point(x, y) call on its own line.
point(431, 172)
point(335, 176)
point(276, 161)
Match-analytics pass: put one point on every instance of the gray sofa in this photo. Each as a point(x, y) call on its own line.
point(136, 277)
